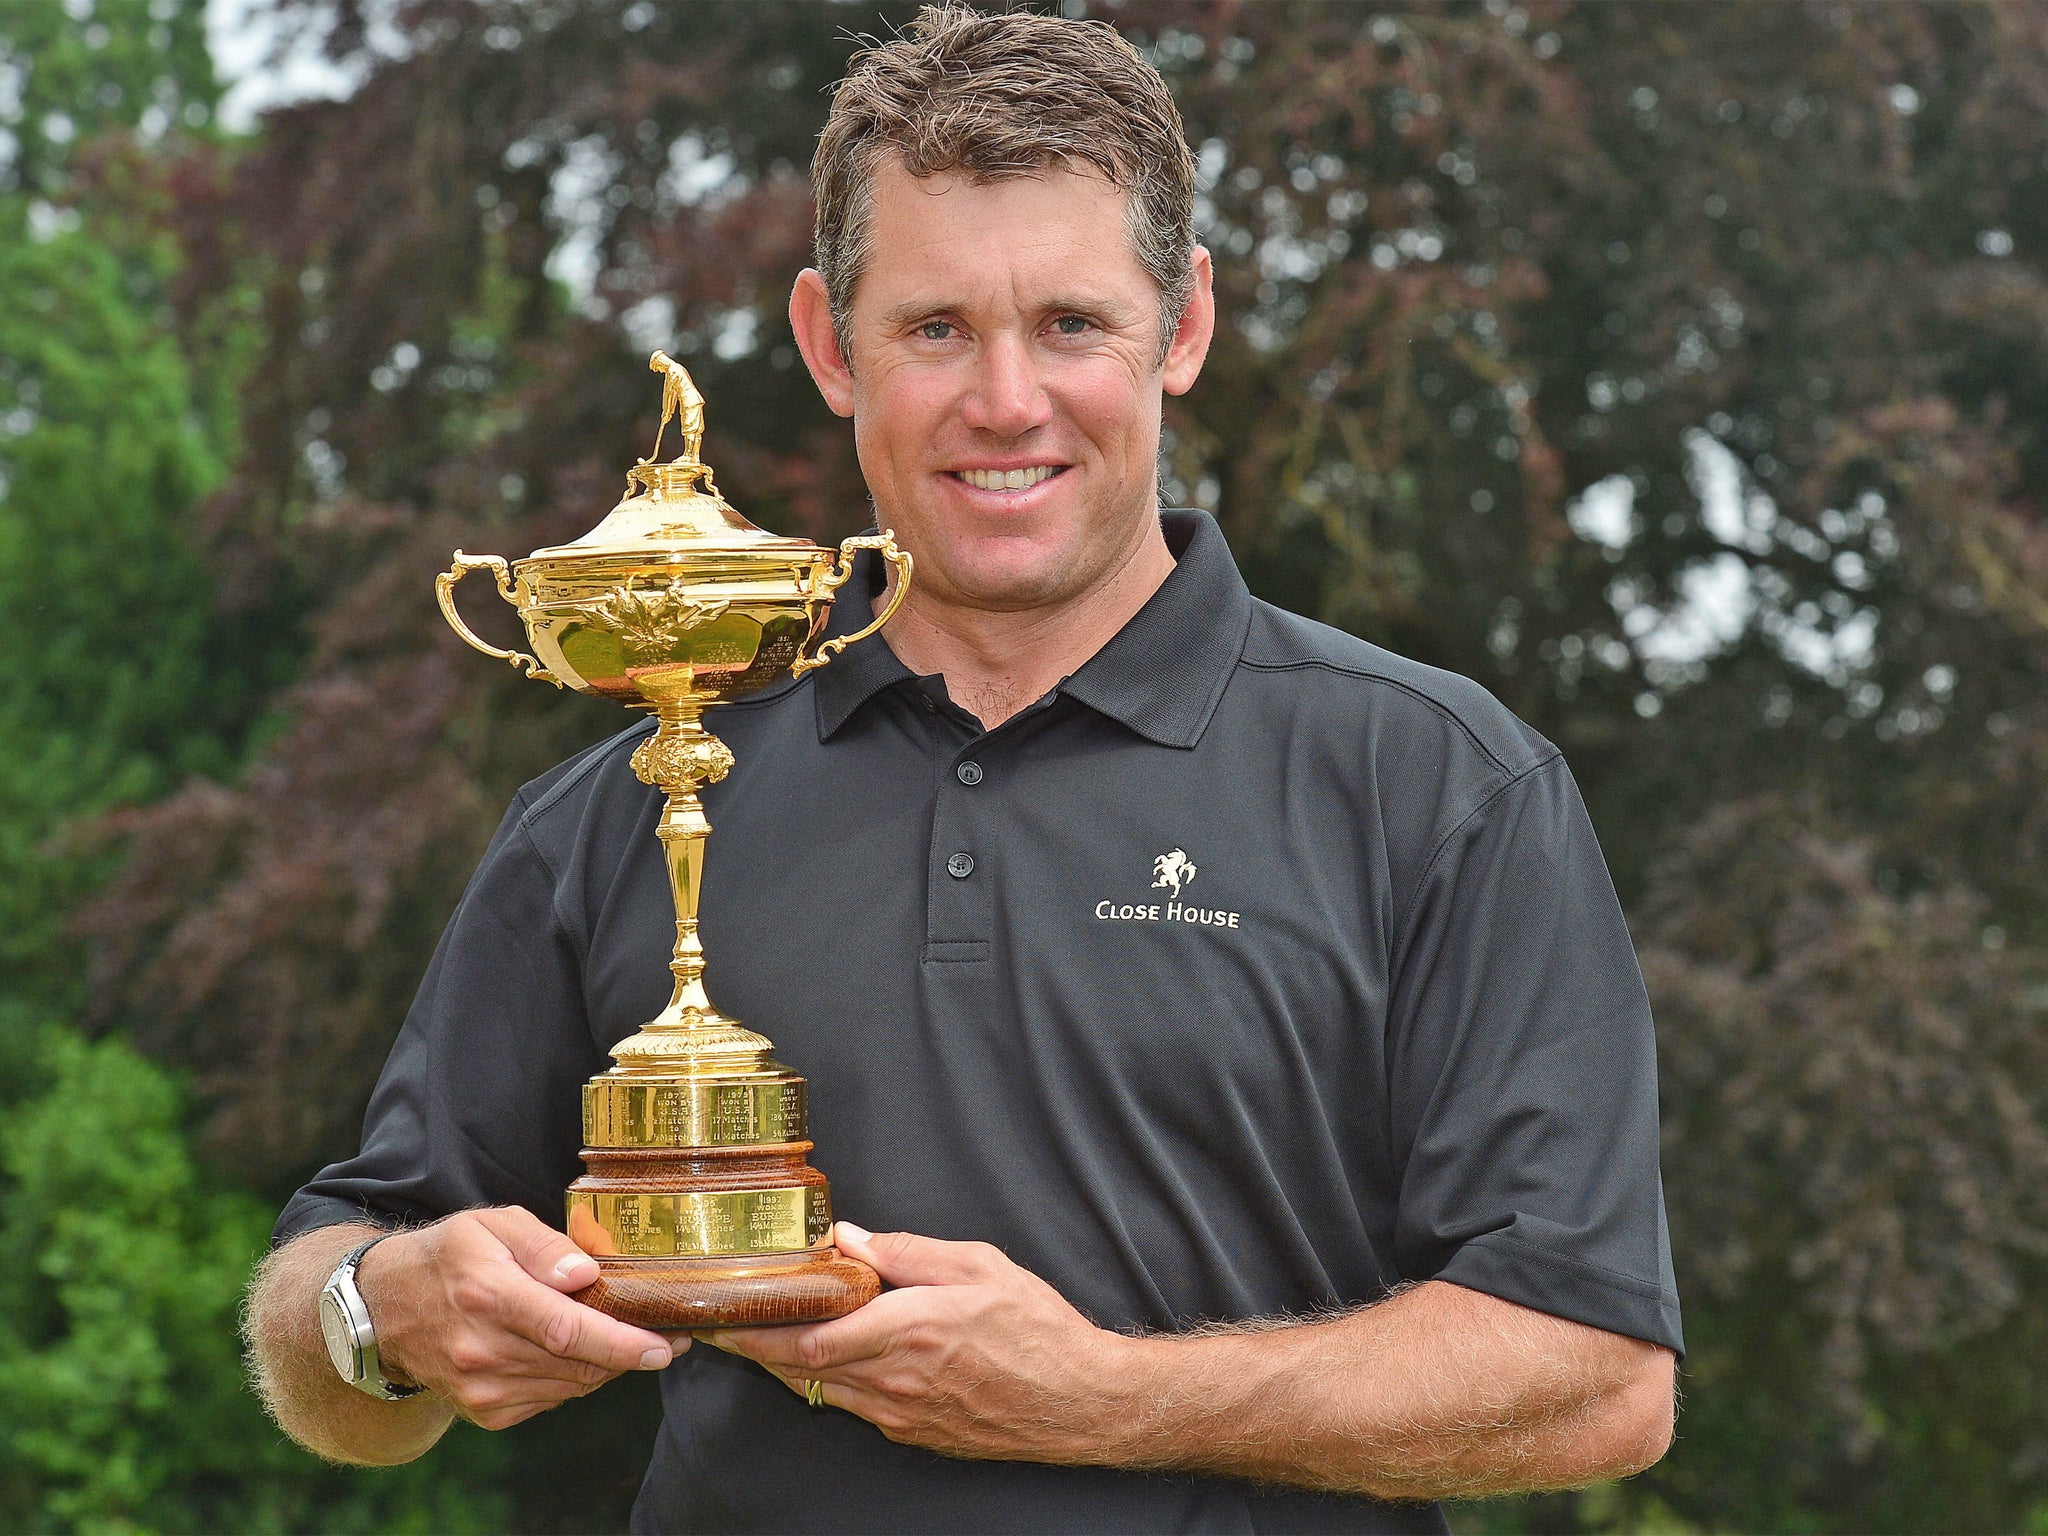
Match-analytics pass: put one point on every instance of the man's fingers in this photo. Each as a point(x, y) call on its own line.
point(513, 1399)
point(571, 1331)
point(904, 1258)
point(539, 1249)
point(809, 1349)
point(510, 1356)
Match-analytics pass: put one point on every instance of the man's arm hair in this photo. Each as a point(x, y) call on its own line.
point(297, 1381)
point(1436, 1391)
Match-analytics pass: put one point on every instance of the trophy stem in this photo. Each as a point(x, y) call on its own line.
point(690, 1036)
point(683, 830)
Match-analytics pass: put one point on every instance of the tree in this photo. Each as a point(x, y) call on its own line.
point(123, 677)
point(1853, 1113)
point(131, 668)
point(122, 1400)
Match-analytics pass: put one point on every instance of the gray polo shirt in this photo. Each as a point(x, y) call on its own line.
point(1254, 970)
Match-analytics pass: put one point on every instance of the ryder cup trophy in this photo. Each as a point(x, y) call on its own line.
point(698, 1203)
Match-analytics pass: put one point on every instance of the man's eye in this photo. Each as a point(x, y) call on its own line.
point(935, 330)
point(1070, 325)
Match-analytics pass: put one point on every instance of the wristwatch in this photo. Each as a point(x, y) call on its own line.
point(345, 1325)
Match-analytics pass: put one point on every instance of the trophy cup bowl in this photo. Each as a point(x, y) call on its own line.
point(698, 1202)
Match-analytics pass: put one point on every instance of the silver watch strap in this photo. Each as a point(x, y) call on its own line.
point(372, 1379)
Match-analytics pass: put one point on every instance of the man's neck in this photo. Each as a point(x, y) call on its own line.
point(997, 663)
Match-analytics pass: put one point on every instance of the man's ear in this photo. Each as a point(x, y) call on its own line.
point(1196, 330)
point(810, 317)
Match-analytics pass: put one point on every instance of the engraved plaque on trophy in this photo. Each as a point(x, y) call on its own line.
point(698, 1202)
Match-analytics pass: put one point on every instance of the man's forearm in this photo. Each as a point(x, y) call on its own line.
point(1436, 1392)
point(297, 1380)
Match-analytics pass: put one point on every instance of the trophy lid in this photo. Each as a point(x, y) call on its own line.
point(673, 508)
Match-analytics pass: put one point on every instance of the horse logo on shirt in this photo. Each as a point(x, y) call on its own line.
point(1172, 871)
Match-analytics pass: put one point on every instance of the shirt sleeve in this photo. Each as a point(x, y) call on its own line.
point(480, 1101)
point(1523, 1072)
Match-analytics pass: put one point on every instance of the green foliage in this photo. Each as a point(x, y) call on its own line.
point(122, 1403)
point(109, 695)
point(120, 678)
point(78, 69)
point(1603, 1507)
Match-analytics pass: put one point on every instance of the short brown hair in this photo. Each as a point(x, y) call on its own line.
point(996, 96)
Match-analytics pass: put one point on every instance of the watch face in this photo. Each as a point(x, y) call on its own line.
point(340, 1337)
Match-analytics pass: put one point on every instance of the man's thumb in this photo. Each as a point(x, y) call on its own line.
point(904, 1258)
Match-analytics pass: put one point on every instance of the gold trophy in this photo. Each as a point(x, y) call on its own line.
point(698, 1204)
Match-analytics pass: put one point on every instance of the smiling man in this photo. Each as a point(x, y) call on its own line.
point(1006, 405)
point(1228, 1026)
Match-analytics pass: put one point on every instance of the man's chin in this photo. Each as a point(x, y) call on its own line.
point(1008, 588)
point(1009, 570)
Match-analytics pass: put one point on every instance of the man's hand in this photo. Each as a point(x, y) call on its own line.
point(473, 1308)
point(1436, 1391)
point(971, 1355)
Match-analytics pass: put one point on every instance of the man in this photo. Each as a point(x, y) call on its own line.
point(1229, 1025)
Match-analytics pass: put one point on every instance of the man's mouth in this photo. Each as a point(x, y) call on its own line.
point(1008, 479)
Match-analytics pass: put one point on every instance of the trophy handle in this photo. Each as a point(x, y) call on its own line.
point(444, 590)
point(830, 581)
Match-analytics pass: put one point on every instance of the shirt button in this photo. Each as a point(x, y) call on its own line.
point(960, 866)
point(968, 773)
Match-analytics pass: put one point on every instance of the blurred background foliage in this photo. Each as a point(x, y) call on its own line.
point(1680, 372)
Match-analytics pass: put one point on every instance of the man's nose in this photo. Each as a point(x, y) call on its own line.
point(1007, 397)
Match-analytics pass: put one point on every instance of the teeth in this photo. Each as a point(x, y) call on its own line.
point(1008, 479)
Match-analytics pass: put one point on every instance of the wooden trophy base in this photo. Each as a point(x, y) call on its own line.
point(752, 1291)
point(712, 1237)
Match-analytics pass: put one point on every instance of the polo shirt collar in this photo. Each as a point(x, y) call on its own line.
point(1161, 675)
